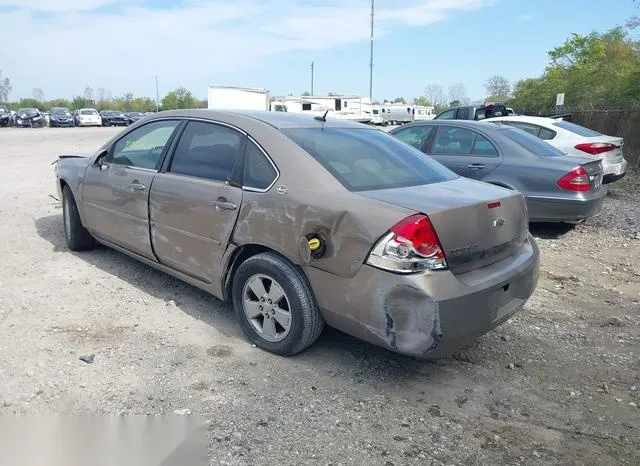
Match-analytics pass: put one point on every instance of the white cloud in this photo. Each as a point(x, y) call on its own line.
point(66, 45)
point(524, 18)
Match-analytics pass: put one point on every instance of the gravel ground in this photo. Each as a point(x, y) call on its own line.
point(557, 384)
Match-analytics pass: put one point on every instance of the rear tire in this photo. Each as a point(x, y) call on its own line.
point(76, 235)
point(275, 305)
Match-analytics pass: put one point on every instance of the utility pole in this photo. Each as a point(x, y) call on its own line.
point(371, 56)
point(311, 78)
point(157, 96)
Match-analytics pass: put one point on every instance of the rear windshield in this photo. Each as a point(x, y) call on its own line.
point(530, 142)
point(367, 159)
point(576, 129)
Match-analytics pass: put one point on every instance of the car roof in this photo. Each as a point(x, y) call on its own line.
point(278, 120)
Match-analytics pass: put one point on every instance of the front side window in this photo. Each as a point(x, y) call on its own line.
point(143, 146)
point(416, 135)
point(368, 159)
point(454, 141)
point(259, 173)
point(207, 150)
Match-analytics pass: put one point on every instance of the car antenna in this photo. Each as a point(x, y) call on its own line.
point(322, 118)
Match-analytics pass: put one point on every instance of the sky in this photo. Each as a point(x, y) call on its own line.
point(63, 46)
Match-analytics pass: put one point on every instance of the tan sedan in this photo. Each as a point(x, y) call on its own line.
point(301, 221)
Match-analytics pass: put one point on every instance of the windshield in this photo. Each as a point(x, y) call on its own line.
point(88, 112)
point(134, 114)
point(60, 111)
point(367, 159)
point(27, 110)
point(531, 143)
point(576, 129)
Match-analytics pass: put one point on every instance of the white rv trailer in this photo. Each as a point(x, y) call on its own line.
point(352, 108)
point(421, 112)
point(376, 115)
point(238, 98)
point(396, 114)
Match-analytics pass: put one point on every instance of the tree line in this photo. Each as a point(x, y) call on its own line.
point(101, 99)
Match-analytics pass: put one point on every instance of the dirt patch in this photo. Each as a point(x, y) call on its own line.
point(557, 384)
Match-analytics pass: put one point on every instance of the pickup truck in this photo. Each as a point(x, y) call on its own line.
point(473, 112)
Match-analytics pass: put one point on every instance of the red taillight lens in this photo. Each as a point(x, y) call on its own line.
point(411, 245)
point(595, 148)
point(575, 180)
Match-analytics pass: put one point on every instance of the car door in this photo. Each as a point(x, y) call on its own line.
point(115, 192)
point(194, 202)
point(465, 151)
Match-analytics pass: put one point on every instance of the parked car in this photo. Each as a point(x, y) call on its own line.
point(60, 116)
point(29, 118)
point(87, 117)
point(557, 188)
point(113, 118)
point(298, 220)
point(473, 112)
point(133, 116)
point(575, 141)
point(5, 116)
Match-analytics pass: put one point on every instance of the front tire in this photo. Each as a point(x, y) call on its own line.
point(275, 305)
point(76, 235)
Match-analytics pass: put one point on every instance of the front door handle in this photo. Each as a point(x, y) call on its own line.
point(477, 166)
point(223, 204)
point(136, 186)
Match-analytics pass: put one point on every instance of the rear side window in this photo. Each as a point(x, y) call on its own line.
point(531, 143)
point(259, 173)
point(454, 141)
point(531, 129)
point(206, 150)
point(547, 134)
point(366, 159)
point(483, 147)
point(576, 129)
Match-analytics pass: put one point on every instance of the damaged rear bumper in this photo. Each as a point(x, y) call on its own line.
point(428, 315)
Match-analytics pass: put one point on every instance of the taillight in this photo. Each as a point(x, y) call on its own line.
point(576, 180)
point(595, 148)
point(411, 245)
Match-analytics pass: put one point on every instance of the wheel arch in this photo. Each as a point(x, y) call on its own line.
point(239, 255)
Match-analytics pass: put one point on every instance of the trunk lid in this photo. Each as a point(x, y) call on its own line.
point(477, 223)
point(595, 171)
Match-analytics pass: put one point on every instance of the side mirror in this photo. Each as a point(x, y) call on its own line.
point(99, 162)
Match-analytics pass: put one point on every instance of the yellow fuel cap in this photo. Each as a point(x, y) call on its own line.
point(314, 244)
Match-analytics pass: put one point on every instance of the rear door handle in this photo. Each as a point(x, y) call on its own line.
point(223, 204)
point(477, 166)
point(138, 186)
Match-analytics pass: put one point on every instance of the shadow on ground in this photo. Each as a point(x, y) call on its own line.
point(333, 344)
point(550, 230)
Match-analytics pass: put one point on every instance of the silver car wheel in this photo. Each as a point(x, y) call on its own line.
point(266, 307)
point(66, 213)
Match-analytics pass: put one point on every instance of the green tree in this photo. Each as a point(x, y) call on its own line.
point(58, 103)
point(306, 94)
point(29, 103)
point(399, 100)
point(422, 100)
point(80, 102)
point(179, 98)
point(593, 71)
